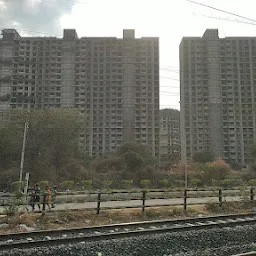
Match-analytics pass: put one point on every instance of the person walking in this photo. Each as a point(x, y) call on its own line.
point(32, 198)
point(47, 196)
point(37, 196)
point(53, 196)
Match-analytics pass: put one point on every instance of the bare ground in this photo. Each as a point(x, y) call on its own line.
point(83, 218)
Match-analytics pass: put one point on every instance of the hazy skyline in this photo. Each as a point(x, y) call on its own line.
point(170, 20)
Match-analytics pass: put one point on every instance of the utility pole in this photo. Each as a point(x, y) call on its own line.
point(23, 146)
point(186, 171)
point(24, 138)
point(186, 175)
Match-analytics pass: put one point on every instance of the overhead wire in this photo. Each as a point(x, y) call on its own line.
point(221, 10)
point(227, 19)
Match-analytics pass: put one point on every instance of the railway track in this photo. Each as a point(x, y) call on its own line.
point(97, 233)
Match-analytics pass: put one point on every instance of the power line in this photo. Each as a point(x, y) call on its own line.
point(220, 10)
point(171, 70)
point(171, 78)
point(227, 19)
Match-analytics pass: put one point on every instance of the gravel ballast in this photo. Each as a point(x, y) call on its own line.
point(216, 241)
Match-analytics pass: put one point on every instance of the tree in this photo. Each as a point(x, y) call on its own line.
point(203, 157)
point(252, 165)
point(253, 151)
point(217, 170)
point(111, 163)
point(52, 150)
point(129, 162)
point(10, 145)
point(53, 137)
point(137, 160)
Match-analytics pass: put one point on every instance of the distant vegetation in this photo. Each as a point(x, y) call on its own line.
point(53, 157)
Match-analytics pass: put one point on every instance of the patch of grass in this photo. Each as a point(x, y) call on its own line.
point(230, 207)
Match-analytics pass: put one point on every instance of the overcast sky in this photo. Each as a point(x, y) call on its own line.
point(169, 20)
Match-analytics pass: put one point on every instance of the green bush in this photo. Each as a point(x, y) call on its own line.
point(195, 182)
point(145, 183)
point(43, 184)
point(164, 183)
point(107, 184)
point(12, 206)
point(87, 184)
point(67, 184)
point(17, 186)
point(127, 183)
point(252, 182)
point(180, 183)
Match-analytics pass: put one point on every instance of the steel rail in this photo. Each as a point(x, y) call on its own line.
point(123, 230)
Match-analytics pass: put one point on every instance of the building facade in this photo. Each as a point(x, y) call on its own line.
point(218, 95)
point(169, 136)
point(114, 82)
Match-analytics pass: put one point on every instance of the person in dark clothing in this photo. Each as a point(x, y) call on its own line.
point(32, 198)
point(37, 196)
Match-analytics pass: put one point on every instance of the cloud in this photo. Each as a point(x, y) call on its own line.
point(33, 16)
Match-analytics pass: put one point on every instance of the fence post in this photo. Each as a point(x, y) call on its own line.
point(220, 197)
point(185, 199)
point(252, 194)
point(143, 200)
point(98, 203)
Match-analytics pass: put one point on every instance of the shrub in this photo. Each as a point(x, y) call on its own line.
point(107, 184)
point(43, 184)
point(67, 184)
point(252, 182)
point(87, 184)
point(180, 183)
point(145, 183)
point(195, 182)
point(217, 170)
point(227, 182)
point(164, 183)
point(12, 206)
point(127, 183)
point(17, 186)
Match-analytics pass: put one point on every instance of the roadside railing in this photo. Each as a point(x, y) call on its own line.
point(106, 200)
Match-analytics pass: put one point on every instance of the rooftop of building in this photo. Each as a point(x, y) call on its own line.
point(68, 34)
point(214, 33)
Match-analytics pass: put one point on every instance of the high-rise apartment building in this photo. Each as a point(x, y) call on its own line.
point(218, 96)
point(114, 82)
point(169, 143)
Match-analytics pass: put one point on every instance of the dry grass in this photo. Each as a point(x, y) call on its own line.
point(83, 218)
